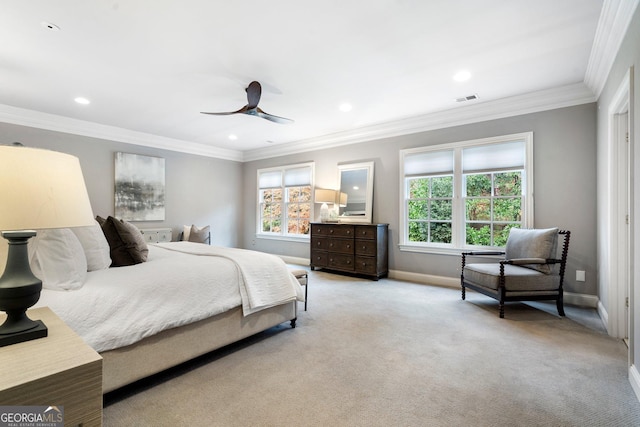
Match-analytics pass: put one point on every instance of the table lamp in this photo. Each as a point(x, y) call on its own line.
point(325, 196)
point(39, 189)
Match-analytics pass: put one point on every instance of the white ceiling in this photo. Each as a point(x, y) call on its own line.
point(150, 67)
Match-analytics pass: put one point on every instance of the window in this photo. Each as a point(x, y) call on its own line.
point(284, 201)
point(467, 194)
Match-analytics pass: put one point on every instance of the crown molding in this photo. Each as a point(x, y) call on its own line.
point(564, 96)
point(614, 21)
point(549, 99)
point(37, 119)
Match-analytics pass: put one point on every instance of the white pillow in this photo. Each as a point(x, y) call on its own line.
point(186, 231)
point(95, 246)
point(57, 258)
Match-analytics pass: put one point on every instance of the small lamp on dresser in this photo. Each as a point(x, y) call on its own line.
point(39, 189)
point(325, 196)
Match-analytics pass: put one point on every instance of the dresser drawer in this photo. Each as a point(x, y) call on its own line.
point(366, 247)
point(318, 259)
point(342, 262)
point(366, 232)
point(319, 243)
point(342, 246)
point(333, 230)
point(366, 265)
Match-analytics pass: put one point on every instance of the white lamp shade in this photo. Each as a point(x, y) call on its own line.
point(325, 196)
point(41, 189)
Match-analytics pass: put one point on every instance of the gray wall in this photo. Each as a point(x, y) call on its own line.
point(565, 182)
point(199, 190)
point(628, 56)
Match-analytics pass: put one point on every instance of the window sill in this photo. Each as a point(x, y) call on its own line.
point(300, 239)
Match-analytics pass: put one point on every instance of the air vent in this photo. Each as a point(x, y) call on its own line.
point(467, 98)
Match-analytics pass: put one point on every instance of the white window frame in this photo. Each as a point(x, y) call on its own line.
point(283, 235)
point(458, 243)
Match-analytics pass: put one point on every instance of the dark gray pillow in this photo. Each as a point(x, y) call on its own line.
point(533, 243)
point(126, 243)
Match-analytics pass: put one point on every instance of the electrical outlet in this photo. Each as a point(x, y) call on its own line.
point(580, 276)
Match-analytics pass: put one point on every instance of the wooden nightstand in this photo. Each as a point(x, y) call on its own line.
point(59, 369)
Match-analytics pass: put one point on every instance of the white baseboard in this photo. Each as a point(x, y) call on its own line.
point(580, 300)
point(429, 279)
point(634, 379)
point(602, 312)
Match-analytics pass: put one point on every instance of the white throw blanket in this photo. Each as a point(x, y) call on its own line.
point(267, 281)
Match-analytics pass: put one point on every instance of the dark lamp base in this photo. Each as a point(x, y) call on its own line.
point(39, 331)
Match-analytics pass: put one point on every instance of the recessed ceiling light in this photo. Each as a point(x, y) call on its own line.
point(83, 101)
point(50, 26)
point(346, 107)
point(233, 137)
point(462, 76)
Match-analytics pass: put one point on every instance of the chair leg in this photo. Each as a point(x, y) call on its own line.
point(464, 295)
point(501, 303)
point(306, 290)
point(560, 305)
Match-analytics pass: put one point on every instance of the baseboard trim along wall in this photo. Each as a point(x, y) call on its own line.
point(634, 379)
point(580, 300)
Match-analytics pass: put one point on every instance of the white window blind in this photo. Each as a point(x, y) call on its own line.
point(493, 157)
point(270, 179)
point(297, 176)
point(428, 163)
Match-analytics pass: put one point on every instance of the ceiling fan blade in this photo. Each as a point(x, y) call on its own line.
point(271, 117)
point(254, 90)
point(240, 111)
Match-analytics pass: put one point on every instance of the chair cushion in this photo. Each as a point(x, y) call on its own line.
point(532, 243)
point(517, 278)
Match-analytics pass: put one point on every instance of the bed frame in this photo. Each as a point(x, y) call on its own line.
point(171, 347)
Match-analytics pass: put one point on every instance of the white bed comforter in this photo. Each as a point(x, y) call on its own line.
point(119, 306)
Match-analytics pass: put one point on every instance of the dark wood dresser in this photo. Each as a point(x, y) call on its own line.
point(359, 249)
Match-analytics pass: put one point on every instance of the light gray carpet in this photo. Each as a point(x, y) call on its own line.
point(392, 353)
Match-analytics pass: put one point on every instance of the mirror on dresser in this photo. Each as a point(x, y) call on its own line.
point(356, 192)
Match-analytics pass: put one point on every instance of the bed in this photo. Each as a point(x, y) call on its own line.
point(184, 300)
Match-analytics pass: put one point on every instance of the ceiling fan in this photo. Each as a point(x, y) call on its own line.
point(253, 97)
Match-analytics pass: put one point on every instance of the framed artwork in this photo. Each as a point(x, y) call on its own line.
point(139, 194)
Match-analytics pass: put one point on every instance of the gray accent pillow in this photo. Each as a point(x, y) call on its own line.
point(533, 243)
point(126, 243)
point(199, 235)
